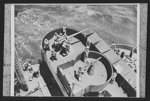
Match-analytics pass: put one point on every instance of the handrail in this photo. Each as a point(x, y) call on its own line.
point(123, 45)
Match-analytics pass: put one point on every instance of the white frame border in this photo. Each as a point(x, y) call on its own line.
point(12, 49)
point(13, 39)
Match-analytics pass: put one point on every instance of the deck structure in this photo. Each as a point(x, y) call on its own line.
point(109, 75)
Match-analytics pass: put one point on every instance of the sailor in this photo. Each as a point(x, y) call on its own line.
point(57, 46)
point(56, 36)
point(68, 44)
point(88, 62)
point(87, 48)
point(46, 44)
point(60, 35)
point(78, 74)
point(113, 77)
point(113, 43)
point(86, 59)
point(65, 48)
point(114, 47)
point(87, 51)
point(64, 30)
point(63, 37)
point(29, 68)
point(131, 53)
point(135, 70)
point(132, 64)
point(134, 57)
point(63, 51)
point(27, 65)
point(118, 51)
point(81, 70)
point(90, 69)
point(85, 54)
point(123, 56)
point(53, 55)
point(88, 44)
point(36, 74)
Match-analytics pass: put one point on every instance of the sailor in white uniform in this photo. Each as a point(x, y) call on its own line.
point(64, 30)
point(46, 44)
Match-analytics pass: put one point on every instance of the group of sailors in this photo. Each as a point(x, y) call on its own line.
point(61, 44)
point(28, 67)
point(88, 68)
point(128, 58)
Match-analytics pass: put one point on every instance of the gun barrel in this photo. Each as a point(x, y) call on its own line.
point(96, 60)
point(77, 33)
point(73, 34)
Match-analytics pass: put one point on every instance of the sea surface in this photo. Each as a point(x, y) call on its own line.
point(112, 22)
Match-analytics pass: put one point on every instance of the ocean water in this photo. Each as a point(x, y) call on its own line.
point(112, 22)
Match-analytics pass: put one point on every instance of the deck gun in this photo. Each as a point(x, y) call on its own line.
point(68, 37)
point(90, 65)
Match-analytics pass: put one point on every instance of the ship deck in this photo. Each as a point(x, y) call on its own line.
point(130, 75)
point(35, 83)
point(98, 78)
point(118, 63)
point(115, 91)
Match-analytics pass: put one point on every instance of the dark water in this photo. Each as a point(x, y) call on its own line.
point(33, 22)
